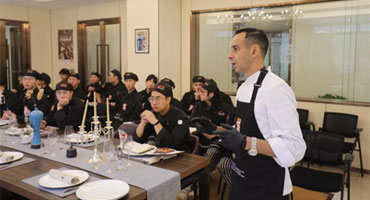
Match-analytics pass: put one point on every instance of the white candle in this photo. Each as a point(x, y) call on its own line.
point(108, 109)
point(95, 105)
point(84, 116)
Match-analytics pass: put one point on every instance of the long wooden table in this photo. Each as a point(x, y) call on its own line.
point(191, 168)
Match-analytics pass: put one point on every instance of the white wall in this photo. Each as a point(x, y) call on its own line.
point(170, 42)
point(142, 14)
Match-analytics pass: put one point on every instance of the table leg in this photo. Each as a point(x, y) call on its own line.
point(204, 180)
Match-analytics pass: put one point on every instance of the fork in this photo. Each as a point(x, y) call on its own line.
point(5, 166)
point(70, 189)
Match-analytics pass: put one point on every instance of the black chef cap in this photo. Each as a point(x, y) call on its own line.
point(130, 75)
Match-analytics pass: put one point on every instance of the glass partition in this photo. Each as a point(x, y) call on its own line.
point(321, 49)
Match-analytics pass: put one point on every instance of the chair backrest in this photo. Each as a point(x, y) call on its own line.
point(328, 147)
point(340, 123)
point(129, 128)
point(303, 118)
point(196, 144)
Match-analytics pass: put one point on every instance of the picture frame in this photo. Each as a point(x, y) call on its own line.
point(65, 45)
point(142, 40)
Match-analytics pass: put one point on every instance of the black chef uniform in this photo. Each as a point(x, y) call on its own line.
point(71, 114)
point(174, 134)
point(114, 93)
point(144, 100)
point(130, 109)
point(31, 103)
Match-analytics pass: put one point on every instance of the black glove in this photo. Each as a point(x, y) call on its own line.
point(205, 125)
point(231, 138)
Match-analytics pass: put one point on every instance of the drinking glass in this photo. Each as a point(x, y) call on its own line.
point(128, 146)
point(109, 154)
point(53, 139)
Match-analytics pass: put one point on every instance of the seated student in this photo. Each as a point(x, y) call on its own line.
point(30, 98)
point(226, 98)
point(64, 74)
point(94, 86)
point(44, 84)
point(114, 90)
point(20, 87)
point(74, 80)
point(130, 104)
point(10, 99)
point(174, 101)
point(167, 125)
point(150, 82)
point(67, 110)
point(192, 97)
point(211, 107)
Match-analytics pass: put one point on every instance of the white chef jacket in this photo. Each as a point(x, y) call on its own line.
point(277, 118)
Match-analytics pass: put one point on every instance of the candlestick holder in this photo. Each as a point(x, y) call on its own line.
point(108, 130)
point(96, 157)
point(82, 134)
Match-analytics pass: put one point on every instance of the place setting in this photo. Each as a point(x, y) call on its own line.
point(10, 159)
point(64, 182)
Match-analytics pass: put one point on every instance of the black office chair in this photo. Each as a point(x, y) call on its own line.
point(346, 125)
point(303, 120)
point(327, 147)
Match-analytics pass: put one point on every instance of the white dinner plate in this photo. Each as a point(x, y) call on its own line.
point(50, 182)
point(17, 156)
point(75, 138)
point(14, 131)
point(103, 189)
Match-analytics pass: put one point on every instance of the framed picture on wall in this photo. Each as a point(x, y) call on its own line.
point(65, 45)
point(142, 40)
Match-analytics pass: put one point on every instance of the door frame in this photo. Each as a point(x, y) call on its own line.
point(4, 49)
point(82, 46)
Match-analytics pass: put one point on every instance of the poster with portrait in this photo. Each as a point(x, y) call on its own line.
point(65, 45)
point(142, 40)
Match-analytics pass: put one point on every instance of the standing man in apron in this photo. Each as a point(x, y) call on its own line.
point(267, 138)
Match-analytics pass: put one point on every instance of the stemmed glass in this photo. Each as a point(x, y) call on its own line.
point(53, 139)
point(109, 154)
point(128, 146)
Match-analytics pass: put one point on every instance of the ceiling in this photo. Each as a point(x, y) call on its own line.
point(50, 4)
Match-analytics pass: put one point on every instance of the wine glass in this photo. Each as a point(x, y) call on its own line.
point(128, 146)
point(109, 154)
point(53, 139)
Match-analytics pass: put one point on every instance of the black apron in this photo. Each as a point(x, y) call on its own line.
point(254, 177)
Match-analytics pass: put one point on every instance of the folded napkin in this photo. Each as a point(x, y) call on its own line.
point(5, 158)
point(140, 148)
point(63, 176)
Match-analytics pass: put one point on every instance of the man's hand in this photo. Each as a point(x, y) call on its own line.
point(232, 139)
point(112, 104)
point(208, 136)
point(91, 89)
point(43, 124)
point(62, 103)
point(143, 120)
point(8, 115)
point(149, 116)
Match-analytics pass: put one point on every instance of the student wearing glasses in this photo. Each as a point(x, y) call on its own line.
point(165, 125)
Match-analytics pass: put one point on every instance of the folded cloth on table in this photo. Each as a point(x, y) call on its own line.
point(63, 176)
point(5, 158)
point(140, 148)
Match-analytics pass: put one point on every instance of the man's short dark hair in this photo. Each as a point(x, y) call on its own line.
point(64, 71)
point(255, 36)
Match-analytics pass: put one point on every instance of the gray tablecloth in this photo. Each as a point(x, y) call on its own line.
point(159, 183)
point(34, 181)
point(22, 161)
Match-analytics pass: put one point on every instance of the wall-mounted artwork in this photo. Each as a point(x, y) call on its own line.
point(142, 40)
point(65, 45)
